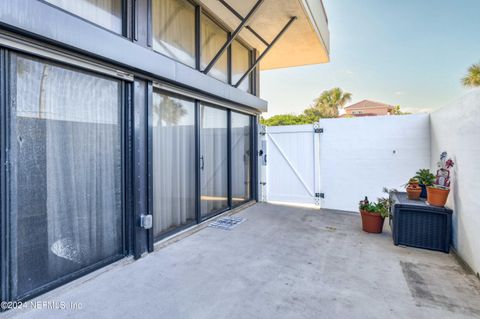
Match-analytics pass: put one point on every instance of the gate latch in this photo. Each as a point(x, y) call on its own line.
point(320, 195)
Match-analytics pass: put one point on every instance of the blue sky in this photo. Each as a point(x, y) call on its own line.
point(407, 52)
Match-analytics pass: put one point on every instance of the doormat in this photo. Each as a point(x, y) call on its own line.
point(227, 223)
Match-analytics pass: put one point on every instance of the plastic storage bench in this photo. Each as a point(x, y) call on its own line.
point(415, 223)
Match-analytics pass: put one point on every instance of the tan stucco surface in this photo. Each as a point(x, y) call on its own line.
point(302, 44)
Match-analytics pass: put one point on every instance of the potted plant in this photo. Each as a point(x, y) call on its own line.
point(425, 178)
point(413, 189)
point(437, 194)
point(373, 214)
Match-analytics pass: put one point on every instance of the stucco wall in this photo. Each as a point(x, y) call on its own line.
point(456, 130)
point(360, 156)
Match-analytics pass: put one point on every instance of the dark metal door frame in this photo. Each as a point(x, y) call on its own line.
point(4, 140)
point(7, 77)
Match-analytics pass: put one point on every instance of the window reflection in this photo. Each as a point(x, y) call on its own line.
point(68, 173)
point(106, 13)
point(213, 37)
point(241, 158)
point(213, 159)
point(240, 65)
point(173, 141)
point(174, 29)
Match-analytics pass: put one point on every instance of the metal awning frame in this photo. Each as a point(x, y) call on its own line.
point(240, 17)
point(264, 53)
point(233, 36)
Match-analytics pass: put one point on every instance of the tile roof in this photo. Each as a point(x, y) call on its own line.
point(367, 103)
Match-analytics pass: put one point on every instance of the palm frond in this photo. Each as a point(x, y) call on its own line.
point(472, 79)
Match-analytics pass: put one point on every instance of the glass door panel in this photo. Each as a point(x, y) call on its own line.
point(241, 158)
point(173, 153)
point(213, 160)
point(66, 178)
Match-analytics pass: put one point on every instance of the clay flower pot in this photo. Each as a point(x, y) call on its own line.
point(437, 196)
point(371, 222)
point(413, 191)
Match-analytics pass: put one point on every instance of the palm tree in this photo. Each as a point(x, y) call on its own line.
point(473, 77)
point(169, 110)
point(329, 102)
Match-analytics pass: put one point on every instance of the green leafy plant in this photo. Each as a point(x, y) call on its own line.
point(396, 111)
point(368, 207)
point(327, 105)
point(425, 177)
point(472, 79)
point(412, 180)
point(381, 207)
point(286, 119)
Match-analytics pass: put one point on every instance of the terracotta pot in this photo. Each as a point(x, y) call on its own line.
point(437, 196)
point(371, 222)
point(414, 191)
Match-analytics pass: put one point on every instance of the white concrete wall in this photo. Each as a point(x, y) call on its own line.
point(456, 130)
point(359, 156)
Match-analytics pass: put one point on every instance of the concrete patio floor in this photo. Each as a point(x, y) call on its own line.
point(283, 262)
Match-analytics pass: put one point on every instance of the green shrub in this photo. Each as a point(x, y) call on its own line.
point(425, 177)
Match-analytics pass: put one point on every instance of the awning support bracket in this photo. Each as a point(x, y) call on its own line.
point(264, 53)
point(233, 36)
point(240, 17)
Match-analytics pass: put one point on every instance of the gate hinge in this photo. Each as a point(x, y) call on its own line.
point(263, 183)
point(262, 130)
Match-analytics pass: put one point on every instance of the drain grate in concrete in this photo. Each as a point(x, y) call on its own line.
point(227, 223)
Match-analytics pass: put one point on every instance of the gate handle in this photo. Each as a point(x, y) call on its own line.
point(202, 163)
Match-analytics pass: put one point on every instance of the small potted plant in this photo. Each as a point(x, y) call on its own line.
point(373, 214)
point(437, 194)
point(413, 189)
point(425, 178)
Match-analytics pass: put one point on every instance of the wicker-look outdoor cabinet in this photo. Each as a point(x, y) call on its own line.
point(415, 223)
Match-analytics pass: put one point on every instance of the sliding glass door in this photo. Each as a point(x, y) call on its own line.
point(66, 202)
point(173, 161)
point(191, 145)
point(241, 157)
point(213, 160)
